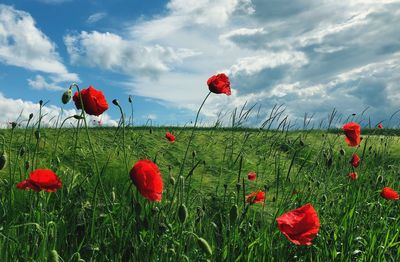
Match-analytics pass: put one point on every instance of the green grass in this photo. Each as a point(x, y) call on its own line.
point(110, 221)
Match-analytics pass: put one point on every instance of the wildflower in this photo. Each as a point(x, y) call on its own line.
point(300, 225)
point(355, 160)
point(352, 132)
point(252, 176)
point(41, 179)
point(219, 84)
point(147, 178)
point(353, 176)
point(389, 194)
point(94, 101)
point(380, 126)
point(170, 137)
point(256, 197)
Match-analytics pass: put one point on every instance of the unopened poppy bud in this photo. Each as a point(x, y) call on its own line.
point(172, 180)
point(37, 134)
point(53, 257)
point(203, 244)
point(194, 154)
point(182, 213)
point(21, 151)
point(238, 185)
point(41, 102)
point(151, 131)
point(324, 198)
point(115, 102)
point(3, 160)
point(233, 214)
point(66, 97)
point(78, 117)
point(342, 152)
point(26, 165)
point(225, 186)
point(13, 125)
point(130, 99)
point(30, 116)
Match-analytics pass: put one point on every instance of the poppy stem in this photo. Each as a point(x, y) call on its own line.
point(192, 134)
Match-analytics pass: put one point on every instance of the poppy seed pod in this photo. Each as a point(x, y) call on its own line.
point(66, 97)
point(182, 213)
point(130, 99)
point(30, 116)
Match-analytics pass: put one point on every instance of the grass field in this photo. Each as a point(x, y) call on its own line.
point(98, 214)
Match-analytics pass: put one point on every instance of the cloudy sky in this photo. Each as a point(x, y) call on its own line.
point(309, 55)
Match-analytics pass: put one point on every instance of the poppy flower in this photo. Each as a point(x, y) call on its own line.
point(352, 132)
point(94, 101)
point(41, 179)
point(380, 126)
point(252, 176)
point(256, 197)
point(300, 225)
point(353, 176)
point(355, 160)
point(219, 84)
point(389, 194)
point(147, 178)
point(170, 137)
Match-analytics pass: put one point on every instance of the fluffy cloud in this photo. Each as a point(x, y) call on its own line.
point(112, 52)
point(94, 18)
point(18, 110)
point(22, 44)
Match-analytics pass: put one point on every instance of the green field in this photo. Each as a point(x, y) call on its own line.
point(98, 215)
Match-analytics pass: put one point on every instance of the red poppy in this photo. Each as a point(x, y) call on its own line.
point(147, 178)
point(380, 126)
point(352, 132)
point(93, 100)
point(300, 225)
point(252, 176)
point(353, 176)
point(389, 194)
point(41, 179)
point(219, 84)
point(170, 137)
point(256, 197)
point(355, 160)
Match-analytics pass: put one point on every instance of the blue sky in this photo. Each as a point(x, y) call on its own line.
point(312, 56)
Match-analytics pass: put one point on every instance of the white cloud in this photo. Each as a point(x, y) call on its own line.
point(54, 2)
point(19, 110)
point(112, 52)
point(94, 18)
point(22, 44)
point(40, 83)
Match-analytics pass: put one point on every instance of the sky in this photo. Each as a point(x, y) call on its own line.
point(310, 56)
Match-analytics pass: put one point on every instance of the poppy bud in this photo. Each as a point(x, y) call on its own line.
point(30, 116)
point(301, 143)
point(130, 99)
point(342, 152)
point(115, 102)
point(66, 97)
point(53, 257)
point(182, 213)
point(203, 244)
point(172, 180)
point(3, 160)
point(273, 199)
point(324, 198)
point(37, 134)
point(194, 154)
point(238, 185)
point(151, 131)
point(26, 165)
point(13, 125)
point(41, 102)
point(21, 151)
point(113, 196)
point(225, 186)
point(233, 214)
